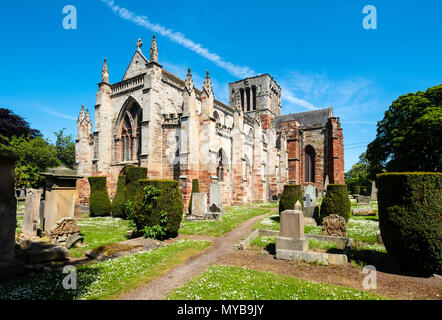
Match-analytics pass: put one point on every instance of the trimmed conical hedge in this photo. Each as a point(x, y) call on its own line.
point(118, 200)
point(169, 200)
point(336, 201)
point(99, 202)
point(290, 195)
point(410, 207)
point(133, 174)
point(196, 189)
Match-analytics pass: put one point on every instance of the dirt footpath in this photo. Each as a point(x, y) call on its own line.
point(222, 246)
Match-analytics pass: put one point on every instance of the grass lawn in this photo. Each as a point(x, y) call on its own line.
point(19, 223)
point(107, 279)
point(234, 283)
point(233, 216)
point(99, 231)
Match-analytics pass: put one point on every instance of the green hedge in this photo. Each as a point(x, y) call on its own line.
point(169, 200)
point(133, 174)
point(410, 207)
point(336, 201)
point(356, 190)
point(196, 189)
point(291, 194)
point(118, 200)
point(99, 202)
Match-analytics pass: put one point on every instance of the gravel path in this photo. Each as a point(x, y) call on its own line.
point(221, 247)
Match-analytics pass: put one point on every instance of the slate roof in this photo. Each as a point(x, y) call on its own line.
point(306, 119)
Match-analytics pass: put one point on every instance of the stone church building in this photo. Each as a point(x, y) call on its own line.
point(153, 119)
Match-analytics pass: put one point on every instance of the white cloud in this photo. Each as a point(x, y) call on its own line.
point(58, 114)
point(179, 38)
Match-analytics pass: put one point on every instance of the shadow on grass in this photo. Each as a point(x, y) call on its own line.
point(275, 218)
point(49, 285)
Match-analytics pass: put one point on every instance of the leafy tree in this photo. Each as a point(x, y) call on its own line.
point(35, 156)
point(359, 174)
point(14, 125)
point(65, 147)
point(409, 138)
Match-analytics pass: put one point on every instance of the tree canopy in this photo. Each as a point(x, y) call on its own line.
point(409, 138)
point(65, 147)
point(35, 156)
point(358, 175)
point(14, 125)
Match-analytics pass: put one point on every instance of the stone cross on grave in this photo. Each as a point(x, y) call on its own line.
point(139, 44)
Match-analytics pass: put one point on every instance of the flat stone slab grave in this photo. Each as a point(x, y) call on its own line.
point(306, 256)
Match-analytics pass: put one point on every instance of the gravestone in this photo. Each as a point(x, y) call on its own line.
point(334, 225)
point(9, 266)
point(215, 194)
point(326, 183)
point(199, 204)
point(363, 199)
point(308, 201)
point(291, 234)
point(61, 198)
point(374, 191)
point(31, 215)
point(311, 192)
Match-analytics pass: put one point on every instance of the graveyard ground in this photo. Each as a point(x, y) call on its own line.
point(204, 259)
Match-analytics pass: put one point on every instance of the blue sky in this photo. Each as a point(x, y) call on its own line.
point(316, 50)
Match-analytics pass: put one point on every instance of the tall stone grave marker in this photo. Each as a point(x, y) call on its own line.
point(32, 212)
point(291, 234)
point(311, 192)
point(215, 194)
point(374, 191)
point(61, 199)
point(8, 216)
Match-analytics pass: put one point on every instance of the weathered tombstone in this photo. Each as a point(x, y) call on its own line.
point(326, 183)
point(291, 234)
point(199, 204)
point(308, 201)
point(22, 194)
point(60, 196)
point(334, 225)
point(363, 199)
point(31, 214)
point(374, 191)
point(9, 266)
point(215, 194)
point(311, 214)
point(311, 192)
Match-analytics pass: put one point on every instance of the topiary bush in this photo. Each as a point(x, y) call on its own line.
point(290, 195)
point(99, 202)
point(158, 203)
point(410, 207)
point(133, 174)
point(336, 201)
point(356, 190)
point(118, 200)
point(196, 189)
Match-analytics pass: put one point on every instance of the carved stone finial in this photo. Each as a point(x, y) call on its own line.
point(83, 116)
point(298, 206)
point(105, 72)
point(207, 86)
point(139, 44)
point(189, 82)
point(154, 50)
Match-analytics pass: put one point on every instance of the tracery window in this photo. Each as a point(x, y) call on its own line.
point(309, 164)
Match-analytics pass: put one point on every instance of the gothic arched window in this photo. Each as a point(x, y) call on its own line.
point(309, 164)
point(130, 134)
